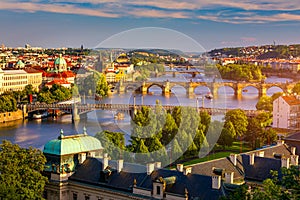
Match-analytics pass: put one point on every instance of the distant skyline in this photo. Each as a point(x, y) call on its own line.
point(213, 24)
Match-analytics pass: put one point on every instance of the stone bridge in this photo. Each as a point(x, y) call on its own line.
point(174, 73)
point(214, 87)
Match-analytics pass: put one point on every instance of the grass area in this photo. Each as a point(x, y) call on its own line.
point(219, 152)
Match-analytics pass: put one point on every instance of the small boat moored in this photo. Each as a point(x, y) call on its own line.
point(209, 96)
point(40, 115)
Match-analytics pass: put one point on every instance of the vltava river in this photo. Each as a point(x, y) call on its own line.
point(37, 132)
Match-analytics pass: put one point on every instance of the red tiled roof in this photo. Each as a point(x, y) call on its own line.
point(58, 82)
point(291, 100)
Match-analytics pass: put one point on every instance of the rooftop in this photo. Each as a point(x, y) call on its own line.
point(65, 145)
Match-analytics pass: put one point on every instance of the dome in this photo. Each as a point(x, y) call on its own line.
point(73, 144)
point(20, 64)
point(61, 63)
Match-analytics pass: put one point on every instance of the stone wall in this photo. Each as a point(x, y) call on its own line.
point(11, 116)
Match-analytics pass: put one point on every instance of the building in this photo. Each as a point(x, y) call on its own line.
point(77, 169)
point(119, 69)
point(286, 112)
point(16, 80)
point(251, 167)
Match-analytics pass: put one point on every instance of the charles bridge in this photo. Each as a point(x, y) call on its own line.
point(214, 87)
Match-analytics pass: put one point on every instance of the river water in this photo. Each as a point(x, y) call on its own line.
point(37, 132)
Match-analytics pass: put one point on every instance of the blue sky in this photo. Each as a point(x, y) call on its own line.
point(211, 23)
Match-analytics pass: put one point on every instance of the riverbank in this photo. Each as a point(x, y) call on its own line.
point(11, 116)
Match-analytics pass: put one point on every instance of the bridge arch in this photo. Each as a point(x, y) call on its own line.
point(155, 85)
point(250, 90)
point(226, 89)
point(274, 89)
point(202, 90)
point(178, 89)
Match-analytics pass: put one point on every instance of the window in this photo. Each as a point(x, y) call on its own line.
point(87, 197)
point(158, 190)
point(74, 196)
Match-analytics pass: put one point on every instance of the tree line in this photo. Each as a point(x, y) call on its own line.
point(184, 133)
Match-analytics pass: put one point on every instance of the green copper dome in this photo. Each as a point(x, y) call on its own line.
point(73, 144)
point(20, 64)
point(60, 61)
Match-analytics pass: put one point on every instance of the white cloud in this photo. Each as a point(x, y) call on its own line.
point(229, 11)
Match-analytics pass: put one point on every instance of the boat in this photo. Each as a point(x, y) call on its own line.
point(209, 96)
point(40, 115)
point(119, 116)
point(245, 90)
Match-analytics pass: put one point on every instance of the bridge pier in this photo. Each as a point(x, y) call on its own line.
point(174, 74)
point(75, 115)
point(263, 91)
point(190, 91)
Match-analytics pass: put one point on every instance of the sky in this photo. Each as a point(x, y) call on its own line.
point(195, 25)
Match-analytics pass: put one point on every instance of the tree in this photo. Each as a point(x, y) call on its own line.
point(296, 88)
point(169, 129)
point(205, 120)
point(112, 142)
point(238, 119)
point(265, 103)
point(175, 151)
point(8, 103)
point(20, 176)
point(276, 95)
point(226, 138)
point(102, 86)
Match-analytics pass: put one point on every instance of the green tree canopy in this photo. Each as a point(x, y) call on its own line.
point(102, 86)
point(296, 88)
point(20, 172)
point(238, 119)
point(265, 103)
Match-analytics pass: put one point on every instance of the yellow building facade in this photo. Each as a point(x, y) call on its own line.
point(16, 80)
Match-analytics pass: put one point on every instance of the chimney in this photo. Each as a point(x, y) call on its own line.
point(294, 160)
point(285, 162)
point(150, 168)
point(260, 154)
point(92, 154)
point(216, 182)
point(81, 157)
point(233, 159)
point(229, 177)
point(105, 161)
point(293, 150)
point(280, 142)
point(187, 170)
point(251, 158)
point(180, 167)
point(157, 165)
point(120, 165)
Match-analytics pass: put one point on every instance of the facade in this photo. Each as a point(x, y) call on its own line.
point(16, 80)
point(286, 112)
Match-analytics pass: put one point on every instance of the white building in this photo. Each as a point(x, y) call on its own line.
point(286, 112)
point(16, 80)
